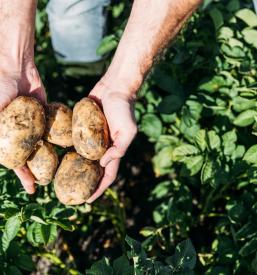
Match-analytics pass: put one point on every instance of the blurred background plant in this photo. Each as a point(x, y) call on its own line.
point(185, 197)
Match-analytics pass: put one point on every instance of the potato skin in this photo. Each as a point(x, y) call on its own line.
point(76, 179)
point(22, 125)
point(43, 162)
point(58, 124)
point(89, 130)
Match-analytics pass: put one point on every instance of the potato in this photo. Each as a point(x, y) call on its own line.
point(58, 125)
point(90, 133)
point(76, 179)
point(43, 162)
point(22, 125)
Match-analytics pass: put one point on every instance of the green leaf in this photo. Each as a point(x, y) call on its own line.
point(108, 44)
point(101, 267)
point(136, 248)
point(239, 152)
point(48, 233)
point(39, 24)
point(185, 150)
point(148, 231)
point(118, 9)
point(151, 125)
point(229, 142)
point(225, 33)
point(240, 104)
point(166, 82)
point(161, 190)
point(213, 85)
point(217, 18)
point(163, 160)
point(246, 231)
point(12, 270)
point(200, 140)
point(41, 234)
point(213, 140)
point(236, 213)
point(166, 140)
point(122, 266)
point(233, 51)
point(233, 5)
point(248, 16)
point(64, 224)
point(171, 104)
point(249, 248)
point(254, 264)
point(210, 173)
point(11, 229)
point(193, 165)
point(251, 155)
point(37, 219)
point(184, 258)
point(25, 262)
point(250, 36)
point(245, 118)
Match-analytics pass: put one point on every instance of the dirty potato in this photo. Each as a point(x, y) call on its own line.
point(89, 130)
point(43, 163)
point(58, 124)
point(22, 125)
point(76, 179)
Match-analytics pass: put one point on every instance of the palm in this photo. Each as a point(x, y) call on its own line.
point(118, 110)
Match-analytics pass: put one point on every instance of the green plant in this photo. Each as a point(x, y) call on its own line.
point(198, 110)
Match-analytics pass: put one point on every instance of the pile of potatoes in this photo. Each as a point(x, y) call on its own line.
point(29, 133)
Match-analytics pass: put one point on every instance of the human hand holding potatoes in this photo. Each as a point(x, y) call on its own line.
point(29, 132)
point(12, 85)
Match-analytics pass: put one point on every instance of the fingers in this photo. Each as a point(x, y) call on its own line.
point(26, 178)
point(31, 84)
point(110, 174)
point(121, 143)
point(8, 90)
point(4, 101)
point(39, 94)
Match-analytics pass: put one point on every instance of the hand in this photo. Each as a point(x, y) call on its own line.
point(13, 84)
point(118, 110)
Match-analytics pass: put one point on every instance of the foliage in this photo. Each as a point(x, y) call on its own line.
point(198, 110)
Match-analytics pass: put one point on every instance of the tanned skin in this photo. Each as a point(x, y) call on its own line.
point(151, 26)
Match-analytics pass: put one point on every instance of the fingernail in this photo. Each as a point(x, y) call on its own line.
point(30, 192)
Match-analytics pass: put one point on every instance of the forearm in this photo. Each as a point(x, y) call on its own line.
point(152, 24)
point(17, 24)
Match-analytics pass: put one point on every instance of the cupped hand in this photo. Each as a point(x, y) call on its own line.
point(118, 109)
point(13, 84)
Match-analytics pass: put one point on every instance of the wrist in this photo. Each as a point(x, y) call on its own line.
point(17, 51)
point(17, 33)
point(123, 79)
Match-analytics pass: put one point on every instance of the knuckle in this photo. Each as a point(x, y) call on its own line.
point(120, 153)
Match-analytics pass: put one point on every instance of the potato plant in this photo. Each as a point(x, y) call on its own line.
point(197, 115)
